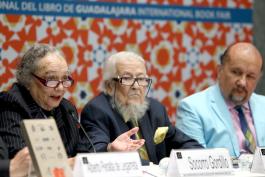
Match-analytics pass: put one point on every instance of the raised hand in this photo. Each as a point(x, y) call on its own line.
point(125, 143)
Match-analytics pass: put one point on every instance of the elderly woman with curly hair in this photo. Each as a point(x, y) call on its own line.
point(42, 79)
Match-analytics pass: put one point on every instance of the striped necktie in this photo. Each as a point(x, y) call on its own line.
point(142, 151)
point(249, 138)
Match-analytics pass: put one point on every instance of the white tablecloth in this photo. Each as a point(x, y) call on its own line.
point(155, 171)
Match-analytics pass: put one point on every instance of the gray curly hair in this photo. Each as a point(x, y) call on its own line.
point(29, 62)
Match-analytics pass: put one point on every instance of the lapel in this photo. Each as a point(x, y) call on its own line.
point(26, 101)
point(35, 111)
point(58, 116)
point(219, 106)
point(116, 118)
point(259, 122)
point(146, 130)
point(123, 127)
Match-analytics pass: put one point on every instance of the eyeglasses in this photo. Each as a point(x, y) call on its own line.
point(55, 83)
point(129, 81)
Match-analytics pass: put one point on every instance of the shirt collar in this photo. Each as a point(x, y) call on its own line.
point(231, 105)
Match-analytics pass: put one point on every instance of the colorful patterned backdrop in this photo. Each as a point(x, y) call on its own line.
point(181, 54)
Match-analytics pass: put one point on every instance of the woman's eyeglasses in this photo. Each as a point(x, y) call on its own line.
point(55, 83)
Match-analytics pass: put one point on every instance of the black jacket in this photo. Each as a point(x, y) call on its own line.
point(17, 104)
point(104, 124)
point(4, 162)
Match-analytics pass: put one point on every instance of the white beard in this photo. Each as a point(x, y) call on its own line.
point(132, 111)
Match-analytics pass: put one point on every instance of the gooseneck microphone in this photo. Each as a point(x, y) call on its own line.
point(83, 130)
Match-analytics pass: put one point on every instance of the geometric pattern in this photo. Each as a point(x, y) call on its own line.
point(181, 55)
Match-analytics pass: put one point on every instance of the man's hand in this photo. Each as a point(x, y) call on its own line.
point(125, 143)
point(19, 165)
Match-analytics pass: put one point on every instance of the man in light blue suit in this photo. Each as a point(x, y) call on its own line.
point(210, 116)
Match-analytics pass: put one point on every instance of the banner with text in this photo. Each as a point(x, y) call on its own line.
point(180, 41)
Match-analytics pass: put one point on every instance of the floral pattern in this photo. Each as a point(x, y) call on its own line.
point(181, 56)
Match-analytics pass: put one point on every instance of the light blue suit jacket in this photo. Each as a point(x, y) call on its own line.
point(205, 117)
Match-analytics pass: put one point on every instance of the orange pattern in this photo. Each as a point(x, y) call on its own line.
point(182, 56)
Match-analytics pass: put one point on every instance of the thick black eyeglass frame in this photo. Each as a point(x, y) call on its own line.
point(119, 79)
point(44, 81)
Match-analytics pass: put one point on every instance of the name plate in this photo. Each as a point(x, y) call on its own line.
point(202, 162)
point(258, 165)
point(46, 148)
point(118, 164)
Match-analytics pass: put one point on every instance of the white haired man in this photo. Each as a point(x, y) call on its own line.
point(110, 117)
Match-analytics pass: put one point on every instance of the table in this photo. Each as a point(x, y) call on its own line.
point(155, 171)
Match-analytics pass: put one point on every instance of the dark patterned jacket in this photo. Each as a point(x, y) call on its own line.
point(4, 162)
point(17, 104)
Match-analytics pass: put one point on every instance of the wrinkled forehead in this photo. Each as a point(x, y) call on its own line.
point(131, 66)
point(52, 63)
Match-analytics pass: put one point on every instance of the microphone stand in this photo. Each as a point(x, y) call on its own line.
point(83, 130)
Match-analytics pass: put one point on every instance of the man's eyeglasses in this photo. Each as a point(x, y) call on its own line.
point(129, 81)
point(55, 83)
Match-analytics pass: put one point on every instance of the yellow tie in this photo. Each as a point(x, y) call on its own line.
point(142, 151)
point(249, 138)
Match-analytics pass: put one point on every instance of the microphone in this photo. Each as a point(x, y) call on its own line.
point(71, 112)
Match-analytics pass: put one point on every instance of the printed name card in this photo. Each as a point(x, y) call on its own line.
point(199, 162)
point(46, 148)
point(258, 165)
point(116, 164)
